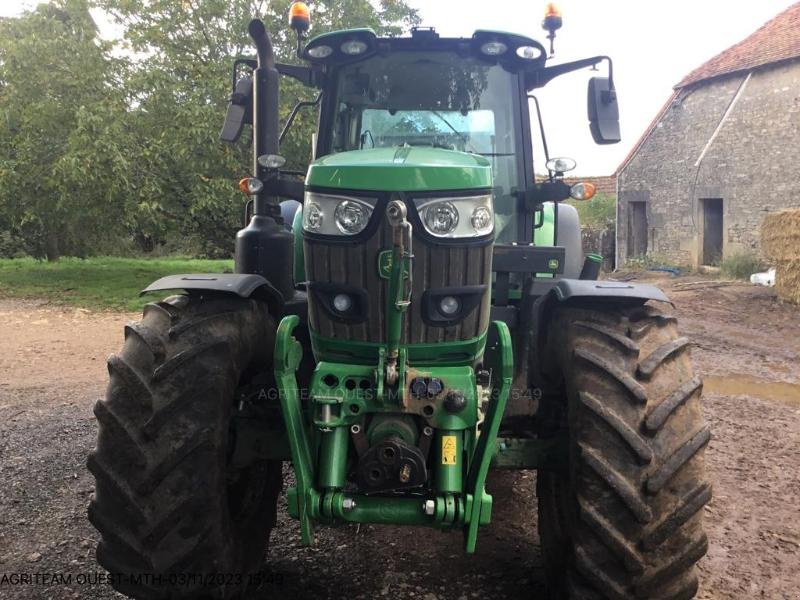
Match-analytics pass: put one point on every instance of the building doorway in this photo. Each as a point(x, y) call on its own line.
point(637, 229)
point(712, 231)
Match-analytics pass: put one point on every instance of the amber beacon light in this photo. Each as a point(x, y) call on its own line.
point(299, 17)
point(552, 23)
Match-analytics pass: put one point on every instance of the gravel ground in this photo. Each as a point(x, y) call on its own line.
point(52, 370)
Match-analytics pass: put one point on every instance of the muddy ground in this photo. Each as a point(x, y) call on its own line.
point(52, 370)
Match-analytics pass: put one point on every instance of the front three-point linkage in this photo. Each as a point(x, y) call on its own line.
point(400, 283)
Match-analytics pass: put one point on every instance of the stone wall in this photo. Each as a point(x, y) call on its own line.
point(753, 164)
point(600, 241)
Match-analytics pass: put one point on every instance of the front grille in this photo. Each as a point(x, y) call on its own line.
point(435, 266)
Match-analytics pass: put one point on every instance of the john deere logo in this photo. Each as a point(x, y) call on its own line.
point(385, 264)
point(552, 264)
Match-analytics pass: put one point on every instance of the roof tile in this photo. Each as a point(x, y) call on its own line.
point(776, 40)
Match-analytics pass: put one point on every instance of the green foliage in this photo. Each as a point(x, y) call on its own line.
point(180, 90)
point(103, 143)
point(598, 213)
point(103, 282)
point(62, 141)
point(741, 266)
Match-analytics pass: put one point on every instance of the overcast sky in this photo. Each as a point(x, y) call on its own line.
point(653, 43)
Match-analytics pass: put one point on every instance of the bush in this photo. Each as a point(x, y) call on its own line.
point(598, 213)
point(12, 245)
point(741, 266)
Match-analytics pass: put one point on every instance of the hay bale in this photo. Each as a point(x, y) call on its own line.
point(787, 280)
point(780, 235)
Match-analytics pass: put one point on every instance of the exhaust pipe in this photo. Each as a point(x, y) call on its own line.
point(265, 247)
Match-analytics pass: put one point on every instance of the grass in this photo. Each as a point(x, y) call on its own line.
point(95, 283)
point(741, 266)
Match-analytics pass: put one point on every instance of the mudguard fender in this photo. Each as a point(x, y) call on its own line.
point(244, 285)
point(568, 291)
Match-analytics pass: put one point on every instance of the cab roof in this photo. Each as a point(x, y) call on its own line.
point(341, 47)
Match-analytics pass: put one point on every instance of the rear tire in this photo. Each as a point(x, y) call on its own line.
point(175, 520)
point(625, 519)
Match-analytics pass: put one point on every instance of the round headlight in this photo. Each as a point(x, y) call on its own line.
point(342, 302)
point(494, 48)
point(351, 217)
point(449, 306)
point(312, 217)
point(482, 219)
point(320, 52)
point(441, 218)
point(353, 48)
point(529, 52)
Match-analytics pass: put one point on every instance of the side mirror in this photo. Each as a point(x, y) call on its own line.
point(240, 111)
point(603, 111)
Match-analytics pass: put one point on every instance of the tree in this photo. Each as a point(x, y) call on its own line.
point(62, 146)
point(179, 83)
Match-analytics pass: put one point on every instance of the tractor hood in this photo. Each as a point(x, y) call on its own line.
point(401, 169)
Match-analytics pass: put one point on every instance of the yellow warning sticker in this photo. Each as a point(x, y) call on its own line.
point(449, 450)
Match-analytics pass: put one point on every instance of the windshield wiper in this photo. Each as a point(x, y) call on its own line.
point(457, 132)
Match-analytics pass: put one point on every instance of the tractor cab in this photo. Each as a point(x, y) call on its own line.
point(468, 95)
point(445, 95)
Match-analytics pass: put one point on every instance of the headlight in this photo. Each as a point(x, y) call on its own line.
point(449, 306)
point(482, 220)
point(441, 218)
point(312, 217)
point(342, 302)
point(352, 217)
point(336, 215)
point(470, 216)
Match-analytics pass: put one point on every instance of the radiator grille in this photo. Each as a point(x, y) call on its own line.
point(434, 267)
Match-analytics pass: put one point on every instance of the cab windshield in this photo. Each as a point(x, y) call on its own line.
point(434, 99)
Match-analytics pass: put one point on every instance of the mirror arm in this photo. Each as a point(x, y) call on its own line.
point(247, 62)
point(305, 75)
point(611, 95)
point(546, 191)
point(293, 115)
point(544, 76)
point(284, 187)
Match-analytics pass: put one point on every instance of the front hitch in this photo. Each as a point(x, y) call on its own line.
point(400, 284)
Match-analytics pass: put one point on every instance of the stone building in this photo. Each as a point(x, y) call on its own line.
point(722, 152)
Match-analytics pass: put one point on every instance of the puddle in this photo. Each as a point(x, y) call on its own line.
point(745, 385)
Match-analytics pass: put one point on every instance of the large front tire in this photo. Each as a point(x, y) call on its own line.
point(176, 521)
point(625, 519)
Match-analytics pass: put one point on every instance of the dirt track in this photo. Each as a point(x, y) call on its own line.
point(52, 370)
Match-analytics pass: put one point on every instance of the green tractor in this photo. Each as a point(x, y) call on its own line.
point(425, 316)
